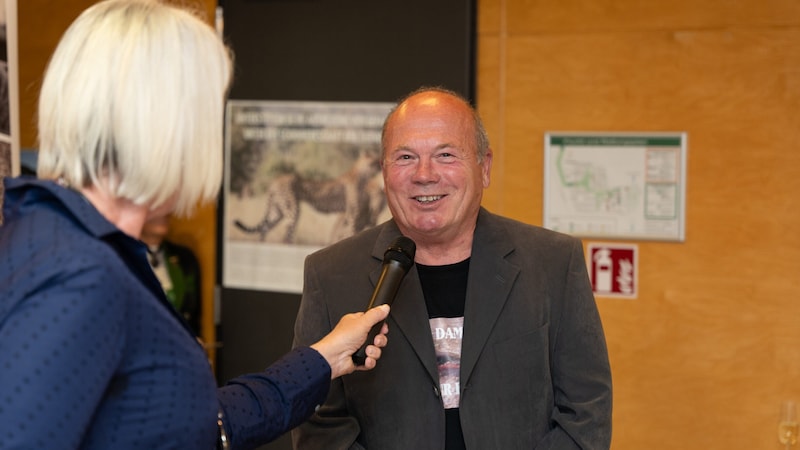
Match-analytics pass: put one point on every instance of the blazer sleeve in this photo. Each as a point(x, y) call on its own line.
point(580, 367)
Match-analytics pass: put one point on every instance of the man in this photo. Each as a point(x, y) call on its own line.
point(497, 342)
point(176, 268)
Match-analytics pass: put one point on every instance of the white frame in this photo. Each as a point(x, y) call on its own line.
point(12, 52)
point(272, 265)
point(631, 219)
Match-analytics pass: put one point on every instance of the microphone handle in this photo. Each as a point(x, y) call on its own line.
point(360, 356)
point(385, 291)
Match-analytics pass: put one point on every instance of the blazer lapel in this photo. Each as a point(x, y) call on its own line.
point(490, 280)
point(409, 316)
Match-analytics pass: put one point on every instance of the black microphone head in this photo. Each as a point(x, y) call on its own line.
point(401, 250)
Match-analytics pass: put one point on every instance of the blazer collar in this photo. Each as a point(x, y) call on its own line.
point(491, 277)
point(490, 280)
point(409, 315)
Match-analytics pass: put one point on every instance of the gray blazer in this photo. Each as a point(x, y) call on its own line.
point(534, 365)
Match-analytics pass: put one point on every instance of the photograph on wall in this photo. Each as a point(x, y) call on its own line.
point(298, 176)
point(9, 139)
point(616, 185)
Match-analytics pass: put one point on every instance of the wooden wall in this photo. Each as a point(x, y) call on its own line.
point(705, 354)
point(703, 357)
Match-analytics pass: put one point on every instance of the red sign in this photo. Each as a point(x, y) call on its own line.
point(613, 269)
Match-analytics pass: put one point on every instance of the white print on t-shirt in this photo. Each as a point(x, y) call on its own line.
point(447, 334)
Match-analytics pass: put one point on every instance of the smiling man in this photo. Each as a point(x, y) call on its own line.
point(497, 342)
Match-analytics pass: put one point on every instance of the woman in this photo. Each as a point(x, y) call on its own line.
point(91, 353)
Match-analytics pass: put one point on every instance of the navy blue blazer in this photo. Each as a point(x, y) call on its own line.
point(534, 368)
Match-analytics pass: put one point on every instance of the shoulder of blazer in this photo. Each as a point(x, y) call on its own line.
point(367, 244)
point(501, 236)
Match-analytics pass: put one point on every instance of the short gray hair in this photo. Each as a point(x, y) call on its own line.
point(133, 101)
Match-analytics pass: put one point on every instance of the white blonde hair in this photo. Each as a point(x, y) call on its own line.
point(133, 101)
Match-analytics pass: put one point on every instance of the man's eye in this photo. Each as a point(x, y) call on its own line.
point(403, 159)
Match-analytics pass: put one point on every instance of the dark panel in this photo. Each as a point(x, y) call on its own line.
point(257, 329)
point(349, 50)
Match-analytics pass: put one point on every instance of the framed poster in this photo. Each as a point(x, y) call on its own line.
point(300, 175)
point(9, 95)
point(616, 185)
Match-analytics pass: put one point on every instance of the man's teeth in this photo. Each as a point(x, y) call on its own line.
point(428, 198)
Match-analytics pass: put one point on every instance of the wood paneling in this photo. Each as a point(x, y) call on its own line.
point(40, 24)
point(705, 354)
point(614, 16)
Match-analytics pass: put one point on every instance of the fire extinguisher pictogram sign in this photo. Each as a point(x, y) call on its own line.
point(613, 269)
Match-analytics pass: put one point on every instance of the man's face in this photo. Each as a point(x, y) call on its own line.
point(433, 181)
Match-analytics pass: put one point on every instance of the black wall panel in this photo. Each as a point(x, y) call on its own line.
point(326, 50)
point(349, 50)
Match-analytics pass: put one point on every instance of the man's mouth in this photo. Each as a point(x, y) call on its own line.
point(428, 198)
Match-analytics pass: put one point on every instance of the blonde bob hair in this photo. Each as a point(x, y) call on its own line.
point(133, 101)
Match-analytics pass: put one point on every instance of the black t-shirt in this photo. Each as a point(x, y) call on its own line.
point(445, 291)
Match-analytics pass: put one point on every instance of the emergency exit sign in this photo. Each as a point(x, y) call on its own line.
point(613, 269)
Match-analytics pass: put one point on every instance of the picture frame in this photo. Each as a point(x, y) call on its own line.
point(616, 185)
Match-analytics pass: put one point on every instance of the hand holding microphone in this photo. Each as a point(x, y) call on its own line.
point(337, 347)
point(397, 260)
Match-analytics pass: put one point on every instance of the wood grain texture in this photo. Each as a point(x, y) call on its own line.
point(705, 354)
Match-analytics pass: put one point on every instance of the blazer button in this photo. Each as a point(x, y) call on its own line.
point(436, 391)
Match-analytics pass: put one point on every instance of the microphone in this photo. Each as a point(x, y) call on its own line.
point(397, 260)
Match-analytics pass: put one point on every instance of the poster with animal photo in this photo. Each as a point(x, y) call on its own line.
point(9, 102)
point(298, 176)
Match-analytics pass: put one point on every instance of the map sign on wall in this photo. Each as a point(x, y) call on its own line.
point(616, 185)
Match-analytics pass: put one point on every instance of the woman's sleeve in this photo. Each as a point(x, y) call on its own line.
point(258, 408)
